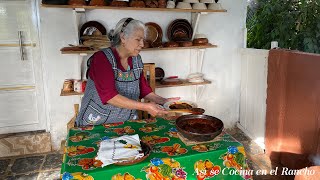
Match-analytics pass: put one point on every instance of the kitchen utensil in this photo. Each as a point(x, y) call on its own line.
point(191, 1)
point(159, 73)
point(97, 3)
point(170, 44)
point(172, 77)
point(200, 41)
point(181, 104)
point(162, 3)
point(199, 127)
point(183, 5)
point(215, 6)
point(154, 34)
point(199, 6)
point(90, 27)
point(197, 36)
point(146, 148)
point(171, 4)
point(195, 77)
point(207, 1)
point(179, 25)
point(77, 2)
point(192, 110)
point(180, 34)
point(151, 33)
point(116, 3)
point(202, 44)
point(67, 85)
point(185, 44)
point(140, 4)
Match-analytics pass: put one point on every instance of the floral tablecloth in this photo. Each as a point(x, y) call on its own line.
point(170, 158)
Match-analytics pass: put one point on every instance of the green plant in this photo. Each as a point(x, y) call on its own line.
point(295, 24)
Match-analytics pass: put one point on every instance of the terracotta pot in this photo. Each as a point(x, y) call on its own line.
point(199, 127)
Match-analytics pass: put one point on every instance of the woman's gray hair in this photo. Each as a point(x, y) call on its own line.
point(126, 28)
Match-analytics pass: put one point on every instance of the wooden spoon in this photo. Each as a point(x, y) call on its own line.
point(192, 110)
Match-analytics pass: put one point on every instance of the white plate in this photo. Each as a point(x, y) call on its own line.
point(168, 104)
point(195, 80)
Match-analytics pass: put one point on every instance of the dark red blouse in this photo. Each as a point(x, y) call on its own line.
point(100, 68)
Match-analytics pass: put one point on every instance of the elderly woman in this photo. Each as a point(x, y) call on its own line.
point(116, 81)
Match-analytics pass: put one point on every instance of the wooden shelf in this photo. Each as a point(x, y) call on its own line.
point(78, 52)
point(185, 83)
point(177, 48)
point(72, 93)
point(132, 8)
point(158, 85)
point(146, 49)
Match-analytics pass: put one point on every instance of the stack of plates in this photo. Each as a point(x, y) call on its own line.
point(195, 78)
point(179, 30)
point(154, 34)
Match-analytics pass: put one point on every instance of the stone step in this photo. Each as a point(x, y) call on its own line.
point(17, 144)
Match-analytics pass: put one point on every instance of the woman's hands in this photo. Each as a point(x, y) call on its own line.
point(158, 99)
point(172, 99)
point(155, 110)
point(152, 108)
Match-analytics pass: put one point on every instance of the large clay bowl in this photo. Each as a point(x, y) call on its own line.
point(182, 25)
point(199, 127)
point(157, 30)
point(179, 24)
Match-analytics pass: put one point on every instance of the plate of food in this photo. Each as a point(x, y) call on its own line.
point(181, 104)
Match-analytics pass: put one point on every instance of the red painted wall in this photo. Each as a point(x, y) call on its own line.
point(293, 107)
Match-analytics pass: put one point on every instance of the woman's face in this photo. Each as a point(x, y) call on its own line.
point(134, 43)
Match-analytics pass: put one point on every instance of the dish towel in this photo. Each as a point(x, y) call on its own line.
point(123, 148)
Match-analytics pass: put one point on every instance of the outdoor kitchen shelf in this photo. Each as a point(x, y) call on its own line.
point(185, 83)
point(131, 8)
point(146, 49)
point(158, 85)
point(72, 93)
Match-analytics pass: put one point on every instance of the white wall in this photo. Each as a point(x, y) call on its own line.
point(254, 70)
point(221, 65)
point(57, 30)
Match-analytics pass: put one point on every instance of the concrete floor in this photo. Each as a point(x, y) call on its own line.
point(47, 166)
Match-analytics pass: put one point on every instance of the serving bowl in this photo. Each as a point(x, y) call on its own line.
point(199, 6)
point(215, 6)
point(191, 1)
point(207, 1)
point(197, 36)
point(199, 127)
point(183, 5)
point(180, 104)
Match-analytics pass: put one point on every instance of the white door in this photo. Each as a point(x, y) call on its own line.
point(254, 68)
point(21, 88)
